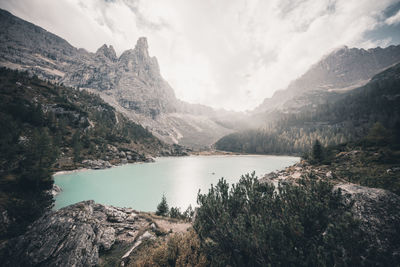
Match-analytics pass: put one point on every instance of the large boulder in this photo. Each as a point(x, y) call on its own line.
point(379, 213)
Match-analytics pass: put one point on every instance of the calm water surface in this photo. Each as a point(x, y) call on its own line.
point(141, 186)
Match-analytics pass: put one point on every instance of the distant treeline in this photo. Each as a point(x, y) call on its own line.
point(347, 119)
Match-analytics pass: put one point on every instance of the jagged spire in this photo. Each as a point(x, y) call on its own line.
point(142, 46)
point(107, 51)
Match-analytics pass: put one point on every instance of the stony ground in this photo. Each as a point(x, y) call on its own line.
point(87, 234)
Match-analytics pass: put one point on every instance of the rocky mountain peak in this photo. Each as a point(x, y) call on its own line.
point(142, 47)
point(138, 61)
point(107, 51)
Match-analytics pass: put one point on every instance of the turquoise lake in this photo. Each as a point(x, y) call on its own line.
point(141, 185)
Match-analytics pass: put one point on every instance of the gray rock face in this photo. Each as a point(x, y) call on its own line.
point(379, 213)
point(108, 52)
point(132, 83)
point(55, 190)
point(96, 164)
point(74, 235)
point(5, 221)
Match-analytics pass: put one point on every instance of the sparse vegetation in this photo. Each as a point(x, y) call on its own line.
point(174, 212)
point(373, 161)
point(187, 215)
point(180, 249)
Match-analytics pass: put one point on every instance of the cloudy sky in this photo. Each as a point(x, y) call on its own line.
point(226, 53)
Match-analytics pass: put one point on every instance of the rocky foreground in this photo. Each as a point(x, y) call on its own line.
point(79, 234)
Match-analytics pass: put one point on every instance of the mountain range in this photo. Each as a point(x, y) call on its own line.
point(349, 118)
point(338, 72)
point(132, 83)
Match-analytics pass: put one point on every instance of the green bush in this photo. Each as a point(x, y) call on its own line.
point(256, 224)
point(176, 213)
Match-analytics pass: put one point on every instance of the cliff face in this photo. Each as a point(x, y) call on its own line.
point(133, 79)
point(132, 83)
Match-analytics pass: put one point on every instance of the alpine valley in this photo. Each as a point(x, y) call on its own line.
point(64, 108)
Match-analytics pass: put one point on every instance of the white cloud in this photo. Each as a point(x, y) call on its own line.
point(393, 20)
point(226, 53)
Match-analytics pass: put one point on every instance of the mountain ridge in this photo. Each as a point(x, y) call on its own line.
point(348, 118)
point(131, 82)
point(341, 70)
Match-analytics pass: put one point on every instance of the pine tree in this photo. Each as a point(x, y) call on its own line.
point(76, 146)
point(379, 135)
point(162, 208)
point(317, 153)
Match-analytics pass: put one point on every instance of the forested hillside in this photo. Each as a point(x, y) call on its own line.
point(45, 127)
point(349, 118)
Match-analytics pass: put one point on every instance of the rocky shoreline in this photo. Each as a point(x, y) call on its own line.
point(113, 157)
point(97, 165)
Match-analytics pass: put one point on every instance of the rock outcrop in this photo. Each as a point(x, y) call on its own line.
point(379, 213)
point(55, 190)
point(96, 164)
point(76, 235)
